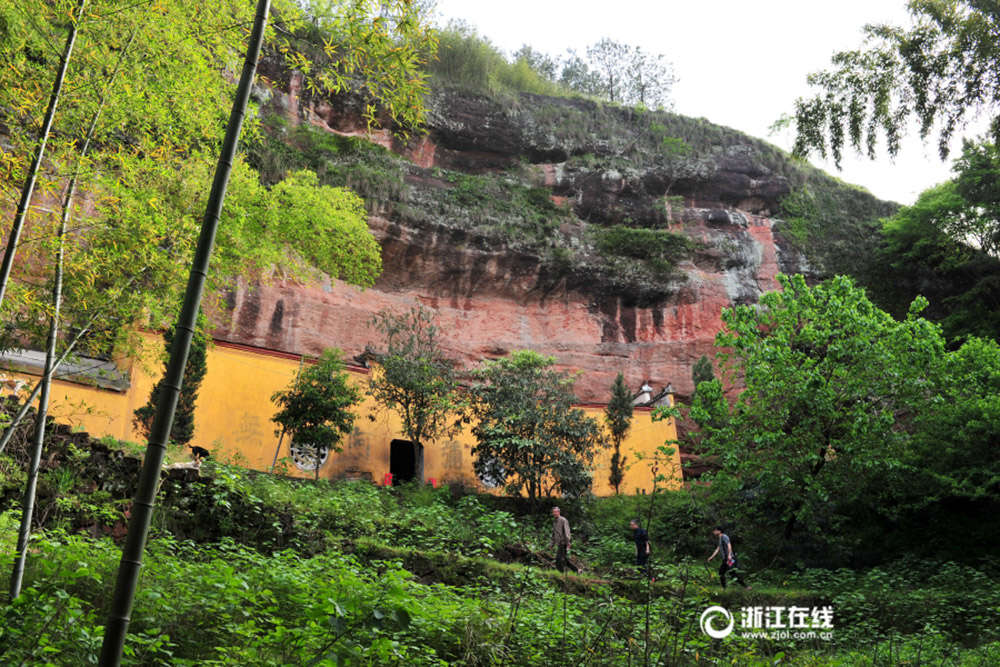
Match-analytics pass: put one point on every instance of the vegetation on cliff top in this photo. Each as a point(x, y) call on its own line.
point(609, 70)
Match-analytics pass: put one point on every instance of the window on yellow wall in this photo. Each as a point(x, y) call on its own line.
point(491, 474)
point(305, 456)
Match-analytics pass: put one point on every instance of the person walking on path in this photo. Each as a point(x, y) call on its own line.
point(641, 538)
point(561, 540)
point(728, 558)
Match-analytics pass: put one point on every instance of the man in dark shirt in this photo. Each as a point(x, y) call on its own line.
point(728, 558)
point(641, 538)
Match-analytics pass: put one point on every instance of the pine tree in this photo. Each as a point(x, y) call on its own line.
point(618, 417)
point(702, 371)
point(183, 428)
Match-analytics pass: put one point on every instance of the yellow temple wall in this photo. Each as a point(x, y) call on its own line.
point(234, 410)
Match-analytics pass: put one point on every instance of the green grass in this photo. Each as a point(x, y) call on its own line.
point(249, 568)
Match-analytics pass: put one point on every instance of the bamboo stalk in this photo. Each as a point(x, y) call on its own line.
point(29, 183)
point(66, 212)
point(142, 507)
point(28, 503)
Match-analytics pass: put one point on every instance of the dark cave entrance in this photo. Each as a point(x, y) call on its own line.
point(406, 461)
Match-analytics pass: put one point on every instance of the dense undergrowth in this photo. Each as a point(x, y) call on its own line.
point(250, 568)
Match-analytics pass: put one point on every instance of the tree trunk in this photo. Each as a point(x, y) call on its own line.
point(281, 437)
point(43, 137)
point(616, 464)
point(316, 460)
point(28, 503)
point(790, 524)
point(142, 508)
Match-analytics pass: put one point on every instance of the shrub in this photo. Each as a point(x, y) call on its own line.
point(645, 244)
point(469, 61)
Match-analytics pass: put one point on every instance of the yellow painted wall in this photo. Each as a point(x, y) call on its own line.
point(234, 411)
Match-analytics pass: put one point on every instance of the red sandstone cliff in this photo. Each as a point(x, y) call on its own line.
point(489, 303)
point(493, 296)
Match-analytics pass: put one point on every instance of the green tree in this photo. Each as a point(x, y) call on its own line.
point(966, 208)
point(126, 262)
point(164, 118)
point(194, 372)
point(919, 259)
point(154, 87)
point(956, 453)
point(31, 177)
point(702, 371)
point(618, 419)
point(414, 378)
point(629, 75)
point(610, 59)
point(708, 403)
point(710, 410)
point(324, 226)
point(382, 42)
point(937, 72)
point(127, 579)
point(977, 182)
point(58, 274)
point(650, 79)
point(143, 232)
point(542, 63)
point(153, 113)
point(945, 247)
point(833, 386)
point(529, 436)
point(28, 499)
point(577, 75)
point(316, 409)
point(375, 49)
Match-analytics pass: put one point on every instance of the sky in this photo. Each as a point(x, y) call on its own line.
point(740, 64)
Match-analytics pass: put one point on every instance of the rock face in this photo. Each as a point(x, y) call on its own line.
point(489, 303)
point(493, 296)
